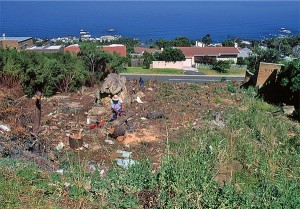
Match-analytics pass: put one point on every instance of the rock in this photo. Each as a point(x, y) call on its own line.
point(150, 89)
point(87, 185)
point(51, 156)
point(109, 141)
point(97, 111)
point(4, 127)
point(125, 97)
point(140, 94)
point(60, 146)
point(288, 110)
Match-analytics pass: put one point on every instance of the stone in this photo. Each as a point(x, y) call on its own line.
point(288, 110)
point(97, 111)
point(140, 94)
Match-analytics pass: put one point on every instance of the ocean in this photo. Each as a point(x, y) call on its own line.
point(150, 19)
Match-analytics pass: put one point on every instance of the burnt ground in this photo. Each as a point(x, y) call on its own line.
point(185, 107)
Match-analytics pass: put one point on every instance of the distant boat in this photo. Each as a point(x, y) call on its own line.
point(111, 30)
point(284, 30)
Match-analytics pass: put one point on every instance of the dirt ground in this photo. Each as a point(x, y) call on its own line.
point(183, 105)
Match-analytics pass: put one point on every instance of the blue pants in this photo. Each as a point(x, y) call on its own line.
point(115, 114)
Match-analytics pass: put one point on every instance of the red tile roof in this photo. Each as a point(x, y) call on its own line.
point(141, 50)
point(208, 51)
point(72, 49)
point(117, 48)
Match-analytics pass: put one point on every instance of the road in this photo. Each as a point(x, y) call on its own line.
point(183, 78)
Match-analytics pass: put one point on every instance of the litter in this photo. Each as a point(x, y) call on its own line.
point(125, 163)
point(125, 154)
point(5, 128)
point(60, 146)
point(138, 99)
point(109, 141)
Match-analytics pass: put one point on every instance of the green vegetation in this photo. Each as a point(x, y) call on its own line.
point(252, 162)
point(231, 71)
point(140, 70)
point(52, 72)
point(177, 42)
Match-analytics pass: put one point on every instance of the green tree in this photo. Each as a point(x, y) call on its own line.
point(148, 59)
point(262, 55)
point(231, 42)
point(161, 43)
point(221, 65)
point(171, 55)
point(181, 42)
point(207, 39)
point(91, 55)
point(290, 77)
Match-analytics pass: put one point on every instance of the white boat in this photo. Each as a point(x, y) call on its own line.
point(111, 30)
point(284, 30)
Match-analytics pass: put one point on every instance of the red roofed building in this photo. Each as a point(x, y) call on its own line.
point(117, 48)
point(72, 49)
point(219, 53)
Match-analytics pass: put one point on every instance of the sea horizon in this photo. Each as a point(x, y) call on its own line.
point(154, 20)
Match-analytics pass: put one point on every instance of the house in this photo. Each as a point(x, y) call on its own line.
point(19, 43)
point(72, 49)
point(244, 52)
point(115, 48)
point(219, 53)
point(47, 49)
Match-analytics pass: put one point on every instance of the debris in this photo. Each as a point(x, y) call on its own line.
point(142, 135)
point(138, 99)
point(125, 154)
point(60, 171)
point(67, 185)
point(87, 185)
point(150, 89)
point(125, 163)
point(140, 94)
point(118, 130)
point(218, 121)
point(86, 146)
point(288, 110)
point(5, 128)
point(155, 115)
point(75, 140)
point(108, 141)
point(142, 118)
point(97, 111)
point(60, 146)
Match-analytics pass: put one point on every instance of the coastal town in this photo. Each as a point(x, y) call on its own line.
point(87, 123)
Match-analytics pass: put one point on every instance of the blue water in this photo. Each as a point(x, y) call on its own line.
point(144, 20)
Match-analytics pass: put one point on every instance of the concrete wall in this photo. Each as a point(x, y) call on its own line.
point(163, 64)
point(26, 44)
point(266, 72)
point(9, 44)
point(22, 45)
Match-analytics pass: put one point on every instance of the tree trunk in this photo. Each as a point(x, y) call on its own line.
point(37, 114)
point(121, 120)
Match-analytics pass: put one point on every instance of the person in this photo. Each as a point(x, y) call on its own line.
point(141, 82)
point(117, 107)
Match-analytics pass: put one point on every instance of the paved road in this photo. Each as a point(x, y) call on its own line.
point(183, 78)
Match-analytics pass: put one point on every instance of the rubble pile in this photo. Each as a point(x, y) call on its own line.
point(79, 122)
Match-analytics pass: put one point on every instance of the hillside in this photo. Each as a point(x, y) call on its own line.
point(218, 146)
